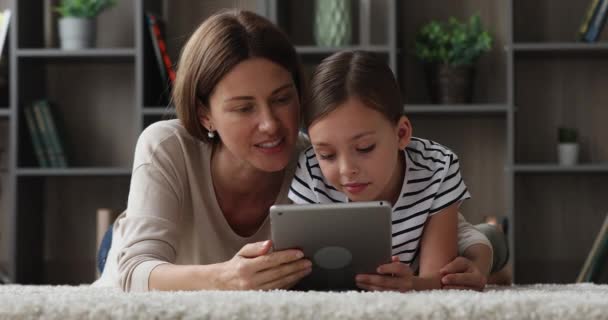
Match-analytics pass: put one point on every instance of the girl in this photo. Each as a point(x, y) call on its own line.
point(363, 150)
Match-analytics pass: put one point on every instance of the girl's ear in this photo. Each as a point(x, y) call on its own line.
point(404, 132)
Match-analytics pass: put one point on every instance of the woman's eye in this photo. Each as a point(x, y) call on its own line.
point(244, 109)
point(367, 149)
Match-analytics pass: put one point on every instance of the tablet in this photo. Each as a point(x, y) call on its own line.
point(342, 240)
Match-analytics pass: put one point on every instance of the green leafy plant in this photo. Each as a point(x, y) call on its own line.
point(83, 8)
point(567, 135)
point(452, 42)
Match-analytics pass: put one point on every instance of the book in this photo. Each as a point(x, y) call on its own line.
point(587, 19)
point(597, 22)
point(54, 142)
point(156, 28)
point(36, 137)
point(5, 19)
point(597, 257)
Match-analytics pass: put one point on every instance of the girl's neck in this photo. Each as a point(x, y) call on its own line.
point(393, 189)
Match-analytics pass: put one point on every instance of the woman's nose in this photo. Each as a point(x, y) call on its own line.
point(269, 122)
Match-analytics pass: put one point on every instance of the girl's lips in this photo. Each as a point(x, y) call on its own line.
point(354, 188)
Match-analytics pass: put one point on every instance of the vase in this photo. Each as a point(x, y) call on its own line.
point(449, 84)
point(567, 153)
point(333, 23)
point(77, 33)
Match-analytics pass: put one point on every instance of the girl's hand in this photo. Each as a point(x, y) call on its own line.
point(394, 276)
point(254, 268)
point(461, 273)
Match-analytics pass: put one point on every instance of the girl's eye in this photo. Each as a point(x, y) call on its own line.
point(367, 149)
point(282, 100)
point(326, 156)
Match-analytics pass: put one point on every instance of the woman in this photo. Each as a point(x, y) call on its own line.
point(197, 214)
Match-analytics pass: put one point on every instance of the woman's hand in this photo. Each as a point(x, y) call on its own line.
point(254, 268)
point(461, 273)
point(394, 276)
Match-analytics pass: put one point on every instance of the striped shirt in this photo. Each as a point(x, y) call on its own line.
point(432, 182)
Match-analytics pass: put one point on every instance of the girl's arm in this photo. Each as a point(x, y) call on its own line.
point(438, 247)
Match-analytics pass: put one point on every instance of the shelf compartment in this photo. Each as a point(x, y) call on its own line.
point(57, 223)
point(95, 122)
point(551, 21)
point(490, 81)
point(556, 219)
point(4, 112)
point(556, 91)
point(38, 25)
point(480, 143)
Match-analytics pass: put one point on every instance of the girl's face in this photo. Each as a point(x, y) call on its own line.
point(255, 110)
point(358, 151)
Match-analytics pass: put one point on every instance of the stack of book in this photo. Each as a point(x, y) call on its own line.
point(156, 30)
point(594, 21)
point(596, 264)
point(45, 137)
point(5, 18)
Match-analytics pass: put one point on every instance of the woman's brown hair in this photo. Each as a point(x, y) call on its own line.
point(221, 42)
point(353, 74)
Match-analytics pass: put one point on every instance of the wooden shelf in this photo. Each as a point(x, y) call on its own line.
point(556, 168)
point(559, 46)
point(330, 50)
point(158, 111)
point(82, 171)
point(122, 53)
point(4, 112)
point(456, 109)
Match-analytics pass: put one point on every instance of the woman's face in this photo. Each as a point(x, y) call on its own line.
point(358, 151)
point(255, 110)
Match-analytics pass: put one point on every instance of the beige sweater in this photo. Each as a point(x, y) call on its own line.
point(172, 213)
point(173, 216)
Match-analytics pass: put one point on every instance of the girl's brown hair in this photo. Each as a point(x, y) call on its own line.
point(353, 74)
point(221, 42)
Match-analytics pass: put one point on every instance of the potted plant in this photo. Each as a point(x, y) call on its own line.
point(567, 149)
point(449, 51)
point(78, 22)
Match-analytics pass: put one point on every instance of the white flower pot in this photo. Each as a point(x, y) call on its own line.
point(77, 33)
point(567, 154)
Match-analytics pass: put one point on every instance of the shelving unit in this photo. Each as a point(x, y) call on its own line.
point(535, 79)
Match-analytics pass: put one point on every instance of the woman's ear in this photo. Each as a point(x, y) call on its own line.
point(203, 116)
point(404, 132)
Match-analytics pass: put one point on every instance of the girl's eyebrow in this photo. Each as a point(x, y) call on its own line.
point(252, 98)
point(355, 137)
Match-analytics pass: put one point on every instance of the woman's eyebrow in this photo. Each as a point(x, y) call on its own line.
point(285, 86)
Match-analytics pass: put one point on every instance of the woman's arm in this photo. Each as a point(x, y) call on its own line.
point(252, 268)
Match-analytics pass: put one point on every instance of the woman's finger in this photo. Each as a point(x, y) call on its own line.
point(281, 271)
point(287, 281)
point(256, 249)
point(457, 265)
point(277, 258)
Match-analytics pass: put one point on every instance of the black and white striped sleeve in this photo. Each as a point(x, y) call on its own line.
point(452, 189)
point(301, 189)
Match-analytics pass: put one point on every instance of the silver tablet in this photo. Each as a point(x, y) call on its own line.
point(342, 240)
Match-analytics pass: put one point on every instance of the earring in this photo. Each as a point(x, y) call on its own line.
point(211, 134)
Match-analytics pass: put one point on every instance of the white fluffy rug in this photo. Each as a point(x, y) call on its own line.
point(581, 301)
